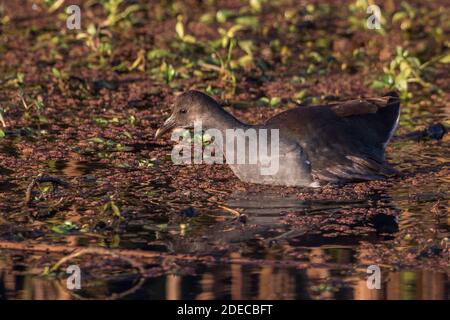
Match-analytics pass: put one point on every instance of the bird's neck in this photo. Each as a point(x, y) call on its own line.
point(222, 120)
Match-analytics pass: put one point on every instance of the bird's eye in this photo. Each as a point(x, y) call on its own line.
point(183, 111)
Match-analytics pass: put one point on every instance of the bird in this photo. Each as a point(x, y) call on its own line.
point(336, 143)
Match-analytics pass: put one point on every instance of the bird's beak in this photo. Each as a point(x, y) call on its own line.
point(168, 124)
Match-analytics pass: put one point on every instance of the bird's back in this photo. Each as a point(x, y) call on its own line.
point(345, 140)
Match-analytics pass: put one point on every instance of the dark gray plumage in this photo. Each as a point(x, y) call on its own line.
point(339, 142)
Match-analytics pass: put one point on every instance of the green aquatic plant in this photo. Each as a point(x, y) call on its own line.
point(139, 63)
point(16, 81)
point(107, 145)
point(3, 123)
point(2, 119)
point(158, 53)
point(365, 12)
point(53, 5)
point(403, 70)
point(116, 11)
point(146, 163)
point(226, 68)
point(406, 69)
point(68, 227)
point(179, 29)
point(112, 207)
point(98, 40)
point(168, 71)
point(222, 55)
point(427, 27)
point(36, 106)
point(405, 17)
point(246, 16)
point(110, 242)
point(61, 77)
point(256, 5)
point(186, 56)
point(272, 102)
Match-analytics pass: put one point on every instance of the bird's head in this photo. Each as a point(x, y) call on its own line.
point(188, 108)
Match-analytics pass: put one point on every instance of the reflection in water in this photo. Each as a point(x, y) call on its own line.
point(243, 282)
point(344, 279)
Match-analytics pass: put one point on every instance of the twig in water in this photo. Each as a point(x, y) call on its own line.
point(232, 211)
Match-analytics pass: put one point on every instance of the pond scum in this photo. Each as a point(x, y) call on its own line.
point(84, 182)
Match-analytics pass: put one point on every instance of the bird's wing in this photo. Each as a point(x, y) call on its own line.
point(379, 115)
point(345, 140)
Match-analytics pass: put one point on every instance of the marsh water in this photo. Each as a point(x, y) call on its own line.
point(326, 266)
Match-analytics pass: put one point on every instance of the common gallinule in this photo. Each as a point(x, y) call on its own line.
point(338, 142)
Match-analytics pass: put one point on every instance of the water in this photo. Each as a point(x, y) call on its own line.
point(245, 282)
point(317, 264)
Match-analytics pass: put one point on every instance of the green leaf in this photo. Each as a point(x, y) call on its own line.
point(157, 54)
point(2, 134)
point(232, 31)
point(414, 62)
point(316, 56)
point(115, 209)
point(56, 73)
point(388, 79)
point(65, 227)
point(245, 60)
point(398, 16)
point(42, 119)
point(300, 95)
point(256, 5)
point(179, 28)
point(377, 84)
point(55, 5)
point(2, 120)
point(127, 134)
point(401, 84)
point(445, 59)
point(404, 65)
point(97, 140)
point(189, 39)
point(206, 138)
point(224, 15)
point(170, 73)
point(250, 21)
point(91, 29)
point(264, 101)
point(275, 101)
point(246, 46)
point(404, 74)
point(207, 18)
point(101, 121)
